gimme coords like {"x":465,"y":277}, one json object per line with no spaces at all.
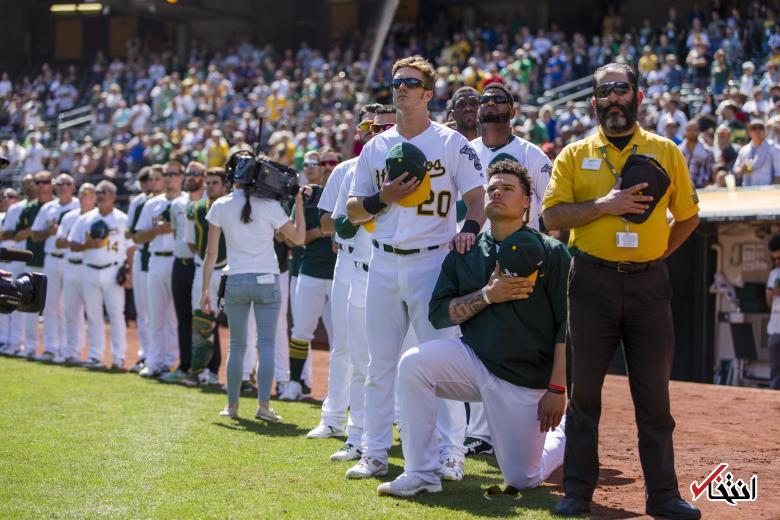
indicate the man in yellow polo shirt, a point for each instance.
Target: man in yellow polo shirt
{"x":619,"y":289}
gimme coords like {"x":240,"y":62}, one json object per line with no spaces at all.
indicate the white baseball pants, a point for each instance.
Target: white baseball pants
{"x":73,"y":296}
{"x":53,"y":312}
{"x":163,"y":351}
{"x":334,"y":408}
{"x":397,"y":295}
{"x":16,"y":320}
{"x":312,"y":301}
{"x":449,"y":369}
{"x":140,"y":281}
{"x":100,"y":288}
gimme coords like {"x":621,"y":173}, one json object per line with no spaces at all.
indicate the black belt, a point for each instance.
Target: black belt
{"x":390,"y":249}
{"x":163,"y":253}
{"x":342,"y":247}
{"x":93,"y":266}
{"x":216,"y":266}
{"x":620,"y":267}
{"x":57,"y":255}
{"x":184,"y":261}
{"x":74,"y":261}
{"x":362,"y":265}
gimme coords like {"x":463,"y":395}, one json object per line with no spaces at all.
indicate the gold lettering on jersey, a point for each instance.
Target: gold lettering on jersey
{"x":435,"y":169}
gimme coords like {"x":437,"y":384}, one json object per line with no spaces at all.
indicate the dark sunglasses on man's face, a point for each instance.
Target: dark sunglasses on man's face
{"x":621,"y":88}
{"x":331,"y":162}
{"x":378,"y":128}
{"x":42,"y":182}
{"x":102,"y":192}
{"x":408,"y":83}
{"x":193,"y":174}
{"x":498,"y":99}
{"x":170,"y":174}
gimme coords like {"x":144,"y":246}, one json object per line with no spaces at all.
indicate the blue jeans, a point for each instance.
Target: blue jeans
{"x":241,"y":291}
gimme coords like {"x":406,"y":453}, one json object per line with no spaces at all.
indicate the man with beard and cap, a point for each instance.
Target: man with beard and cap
{"x":184,"y":269}
{"x":463,"y":111}
{"x":496,"y":143}
{"x":334,"y":408}
{"x":613,"y":189}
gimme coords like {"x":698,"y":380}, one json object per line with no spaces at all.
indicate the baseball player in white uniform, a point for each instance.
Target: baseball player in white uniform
{"x":73,"y":282}
{"x":496,"y":142}
{"x":10,"y":197}
{"x":154,"y":226}
{"x":103,"y":258}
{"x":150,"y":181}
{"x":44,"y":229}
{"x":15,"y":341}
{"x":410,"y":244}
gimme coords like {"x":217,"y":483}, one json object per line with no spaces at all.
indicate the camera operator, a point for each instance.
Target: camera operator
{"x":43,"y":183}
{"x":249,"y":224}
{"x":44,"y":229}
{"x":100,"y":234}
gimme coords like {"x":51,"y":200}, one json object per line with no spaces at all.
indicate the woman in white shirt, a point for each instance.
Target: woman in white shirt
{"x":249,"y":224}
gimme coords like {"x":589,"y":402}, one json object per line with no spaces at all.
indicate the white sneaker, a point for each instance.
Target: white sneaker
{"x":322,"y":431}
{"x":406,"y":486}
{"x":147,"y":371}
{"x":229,"y":411}
{"x":452,"y":469}
{"x":293,"y":391}
{"x":346,"y":453}
{"x":367,"y":467}
{"x":267,"y":414}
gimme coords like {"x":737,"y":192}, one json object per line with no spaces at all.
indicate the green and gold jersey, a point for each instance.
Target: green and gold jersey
{"x":26,"y":219}
{"x":197,"y":211}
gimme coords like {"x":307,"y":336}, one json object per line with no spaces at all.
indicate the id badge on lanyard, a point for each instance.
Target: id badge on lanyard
{"x":624,"y":239}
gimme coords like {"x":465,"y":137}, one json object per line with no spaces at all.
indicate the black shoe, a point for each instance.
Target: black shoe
{"x":572,"y":505}
{"x":674,"y":508}
{"x":475,"y":446}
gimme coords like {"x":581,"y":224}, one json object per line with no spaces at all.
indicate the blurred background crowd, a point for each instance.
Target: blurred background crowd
{"x":711,"y":84}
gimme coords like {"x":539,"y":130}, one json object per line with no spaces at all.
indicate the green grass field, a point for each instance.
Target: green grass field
{"x":82,"y":444}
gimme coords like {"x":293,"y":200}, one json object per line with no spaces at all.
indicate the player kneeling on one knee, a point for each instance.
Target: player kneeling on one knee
{"x":508,"y":294}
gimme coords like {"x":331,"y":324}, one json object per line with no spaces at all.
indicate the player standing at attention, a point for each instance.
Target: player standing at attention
{"x":44,"y":229}
{"x":104,"y":253}
{"x":334,"y":408}
{"x":496,"y":142}
{"x":410,"y":244}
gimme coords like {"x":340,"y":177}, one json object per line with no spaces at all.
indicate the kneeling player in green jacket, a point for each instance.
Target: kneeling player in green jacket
{"x":508,"y":294}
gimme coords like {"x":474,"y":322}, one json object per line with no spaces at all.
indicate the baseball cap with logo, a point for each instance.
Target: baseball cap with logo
{"x":502,"y":157}
{"x":642,"y":168}
{"x":405,"y":157}
{"x":521,"y":254}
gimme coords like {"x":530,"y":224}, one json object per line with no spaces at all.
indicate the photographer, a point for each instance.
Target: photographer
{"x":249,"y":224}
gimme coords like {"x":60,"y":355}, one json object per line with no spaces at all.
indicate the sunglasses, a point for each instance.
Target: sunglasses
{"x":42,"y":182}
{"x":66,"y":183}
{"x":379,"y":127}
{"x":498,"y":99}
{"x":409,"y":83}
{"x":193,"y":174}
{"x":170,"y":174}
{"x":332,"y":162}
{"x":467,"y":102}
{"x":311,"y":164}
{"x":10,"y":196}
{"x":102,"y":192}
{"x":621,"y":88}
{"x":365,"y":126}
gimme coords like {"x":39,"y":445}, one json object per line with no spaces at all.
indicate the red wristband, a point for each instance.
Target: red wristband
{"x":556,"y":387}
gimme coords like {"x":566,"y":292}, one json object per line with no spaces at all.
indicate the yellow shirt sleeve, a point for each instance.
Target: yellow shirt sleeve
{"x":684,"y":202}
{"x":560,"y":189}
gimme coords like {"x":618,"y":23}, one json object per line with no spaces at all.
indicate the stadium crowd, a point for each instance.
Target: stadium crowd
{"x":172,"y":133}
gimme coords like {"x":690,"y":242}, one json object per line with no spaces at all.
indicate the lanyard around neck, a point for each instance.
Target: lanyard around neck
{"x":611,"y":167}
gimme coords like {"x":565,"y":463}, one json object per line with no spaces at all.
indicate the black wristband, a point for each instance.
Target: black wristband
{"x":471,"y":226}
{"x":373,"y":204}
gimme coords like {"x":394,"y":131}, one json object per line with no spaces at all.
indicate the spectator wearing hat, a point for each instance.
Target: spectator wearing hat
{"x":757,"y":106}
{"x":758,"y":162}
{"x":619,"y":289}
{"x":748,"y":81}
{"x":697,"y":154}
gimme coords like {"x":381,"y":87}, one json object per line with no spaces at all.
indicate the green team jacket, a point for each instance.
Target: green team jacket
{"x":516,"y":339}
{"x":197,"y":211}
{"x":317,"y":259}
{"x":26,"y":219}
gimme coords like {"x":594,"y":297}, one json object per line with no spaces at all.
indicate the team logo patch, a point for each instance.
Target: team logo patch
{"x":547,"y":168}
{"x":469,"y":152}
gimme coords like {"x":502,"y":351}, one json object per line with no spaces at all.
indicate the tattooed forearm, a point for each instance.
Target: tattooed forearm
{"x":466,"y":307}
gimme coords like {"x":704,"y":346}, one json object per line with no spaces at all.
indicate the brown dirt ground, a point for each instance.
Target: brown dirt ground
{"x":715,"y":424}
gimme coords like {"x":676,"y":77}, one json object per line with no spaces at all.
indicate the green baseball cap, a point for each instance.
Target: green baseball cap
{"x":405,"y":157}
{"x":521,"y":254}
{"x":503,"y":157}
